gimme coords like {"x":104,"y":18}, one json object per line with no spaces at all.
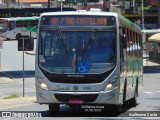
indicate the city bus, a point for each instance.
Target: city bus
{"x":12,"y":28}
{"x":87,"y":57}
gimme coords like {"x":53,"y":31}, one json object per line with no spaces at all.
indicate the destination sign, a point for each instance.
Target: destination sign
{"x":78,"y":20}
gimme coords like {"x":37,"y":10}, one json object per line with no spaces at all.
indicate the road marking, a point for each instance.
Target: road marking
{"x":12,"y":77}
{"x":31,"y":89}
{"x":15,"y":106}
{"x":32,"y":86}
{"x":148,"y":92}
{"x":7,"y":118}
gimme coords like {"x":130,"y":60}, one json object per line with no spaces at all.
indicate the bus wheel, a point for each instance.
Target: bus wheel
{"x":118,"y":109}
{"x":133,"y":101}
{"x":125,"y":103}
{"x":53,"y":108}
{"x":18,"y":35}
{"x":7,"y":38}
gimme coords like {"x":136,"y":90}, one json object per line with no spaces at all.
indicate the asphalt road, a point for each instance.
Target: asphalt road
{"x":147,"y":101}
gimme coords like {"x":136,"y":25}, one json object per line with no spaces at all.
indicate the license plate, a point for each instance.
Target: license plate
{"x":76,"y":101}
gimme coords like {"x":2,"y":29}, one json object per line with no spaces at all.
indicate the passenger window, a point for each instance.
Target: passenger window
{"x":11,"y":25}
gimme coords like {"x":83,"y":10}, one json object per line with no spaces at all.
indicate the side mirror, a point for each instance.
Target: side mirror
{"x":123,"y":37}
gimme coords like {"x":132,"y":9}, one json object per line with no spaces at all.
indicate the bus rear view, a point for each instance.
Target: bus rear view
{"x":77,"y":59}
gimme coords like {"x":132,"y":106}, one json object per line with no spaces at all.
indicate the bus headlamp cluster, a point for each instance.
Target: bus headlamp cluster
{"x":111,"y":84}
{"x":43,"y":85}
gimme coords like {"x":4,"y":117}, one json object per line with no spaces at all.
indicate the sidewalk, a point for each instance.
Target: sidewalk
{"x":147,"y":62}
{"x":16,"y":102}
{"x":13,"y":102}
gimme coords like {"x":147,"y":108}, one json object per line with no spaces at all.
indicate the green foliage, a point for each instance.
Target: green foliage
{"x":11,"y":96}
{"x":10,"y":6}
{"x":73,"y":2}
{"x":145,"y":2}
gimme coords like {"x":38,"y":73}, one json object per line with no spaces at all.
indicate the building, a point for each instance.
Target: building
{"x":35,"y":3}
{"x":132,"y":10}
{"x":3,"y":4}
{"x":87,"y":4}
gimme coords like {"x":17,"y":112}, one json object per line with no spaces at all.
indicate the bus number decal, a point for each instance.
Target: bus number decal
{"x":88,"y":88}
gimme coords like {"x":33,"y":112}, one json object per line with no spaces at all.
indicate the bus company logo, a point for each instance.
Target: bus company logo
{"x":75,"y":88}
{"x":80,"y":76}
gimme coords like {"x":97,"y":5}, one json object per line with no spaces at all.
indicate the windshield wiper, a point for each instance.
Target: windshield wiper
{"x":63,"y":40}
{"x":89,"y":41}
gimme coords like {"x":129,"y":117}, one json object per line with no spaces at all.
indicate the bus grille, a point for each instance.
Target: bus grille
{"x":84,"y":97}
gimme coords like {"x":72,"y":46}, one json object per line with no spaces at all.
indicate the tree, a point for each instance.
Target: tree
{"x":145,"y":2}
{"x":73,"y":2}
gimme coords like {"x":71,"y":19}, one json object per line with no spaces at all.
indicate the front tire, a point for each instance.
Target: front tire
{"x":53,"y":108}
{"x":7,"y":39}
{"x":118,"y":109}
{"x":133,"y":101}
{"x":18,"y":35}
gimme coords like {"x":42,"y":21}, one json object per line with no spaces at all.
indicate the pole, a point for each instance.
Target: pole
{"x":0,"y":59}
{"x":133,"y":6}
{"x":144,"y":38}
{"x":48,"y":3}
{"x":142,"y":16}
{"x":23,"y":66}
{"x":61,"y":5}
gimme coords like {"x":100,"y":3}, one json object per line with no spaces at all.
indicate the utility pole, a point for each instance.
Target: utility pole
{"x":134,"y":6}
{"x":142,"y":16}
{"x":49,"y":1}
{"x":85,"y":4}
{"x":159,"y":13}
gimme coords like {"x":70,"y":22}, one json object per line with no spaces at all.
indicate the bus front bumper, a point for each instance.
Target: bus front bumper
{"x":102,"y":97}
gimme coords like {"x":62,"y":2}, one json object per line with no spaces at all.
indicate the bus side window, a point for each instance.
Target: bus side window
{"x":121,"y":51}
{"x":11,"y":25}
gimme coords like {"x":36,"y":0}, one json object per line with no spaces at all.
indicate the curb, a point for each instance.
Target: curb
{"x":154,"y":68}
{"x":30,"y":53}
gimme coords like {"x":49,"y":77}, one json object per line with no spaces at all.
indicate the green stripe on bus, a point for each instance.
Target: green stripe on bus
{"x":27,"y":19}
{"x":32,"y":29}
{"x":127,"y":21}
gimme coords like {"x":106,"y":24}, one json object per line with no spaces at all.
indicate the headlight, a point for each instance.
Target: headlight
{"x":41,"y":83}
{"x":111,"y":84}
{"x":43,"y":86}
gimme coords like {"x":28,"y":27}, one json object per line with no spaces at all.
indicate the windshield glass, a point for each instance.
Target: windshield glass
{"x":3,"y":25}
{"x":77,"y":49}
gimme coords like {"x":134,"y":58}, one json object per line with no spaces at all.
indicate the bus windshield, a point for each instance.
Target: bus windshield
{"x":65,"y":49}
{"x":3,"y":25}
{"x":68,"y":50}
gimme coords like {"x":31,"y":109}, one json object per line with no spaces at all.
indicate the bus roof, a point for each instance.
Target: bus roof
{"x":78,"y":12}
